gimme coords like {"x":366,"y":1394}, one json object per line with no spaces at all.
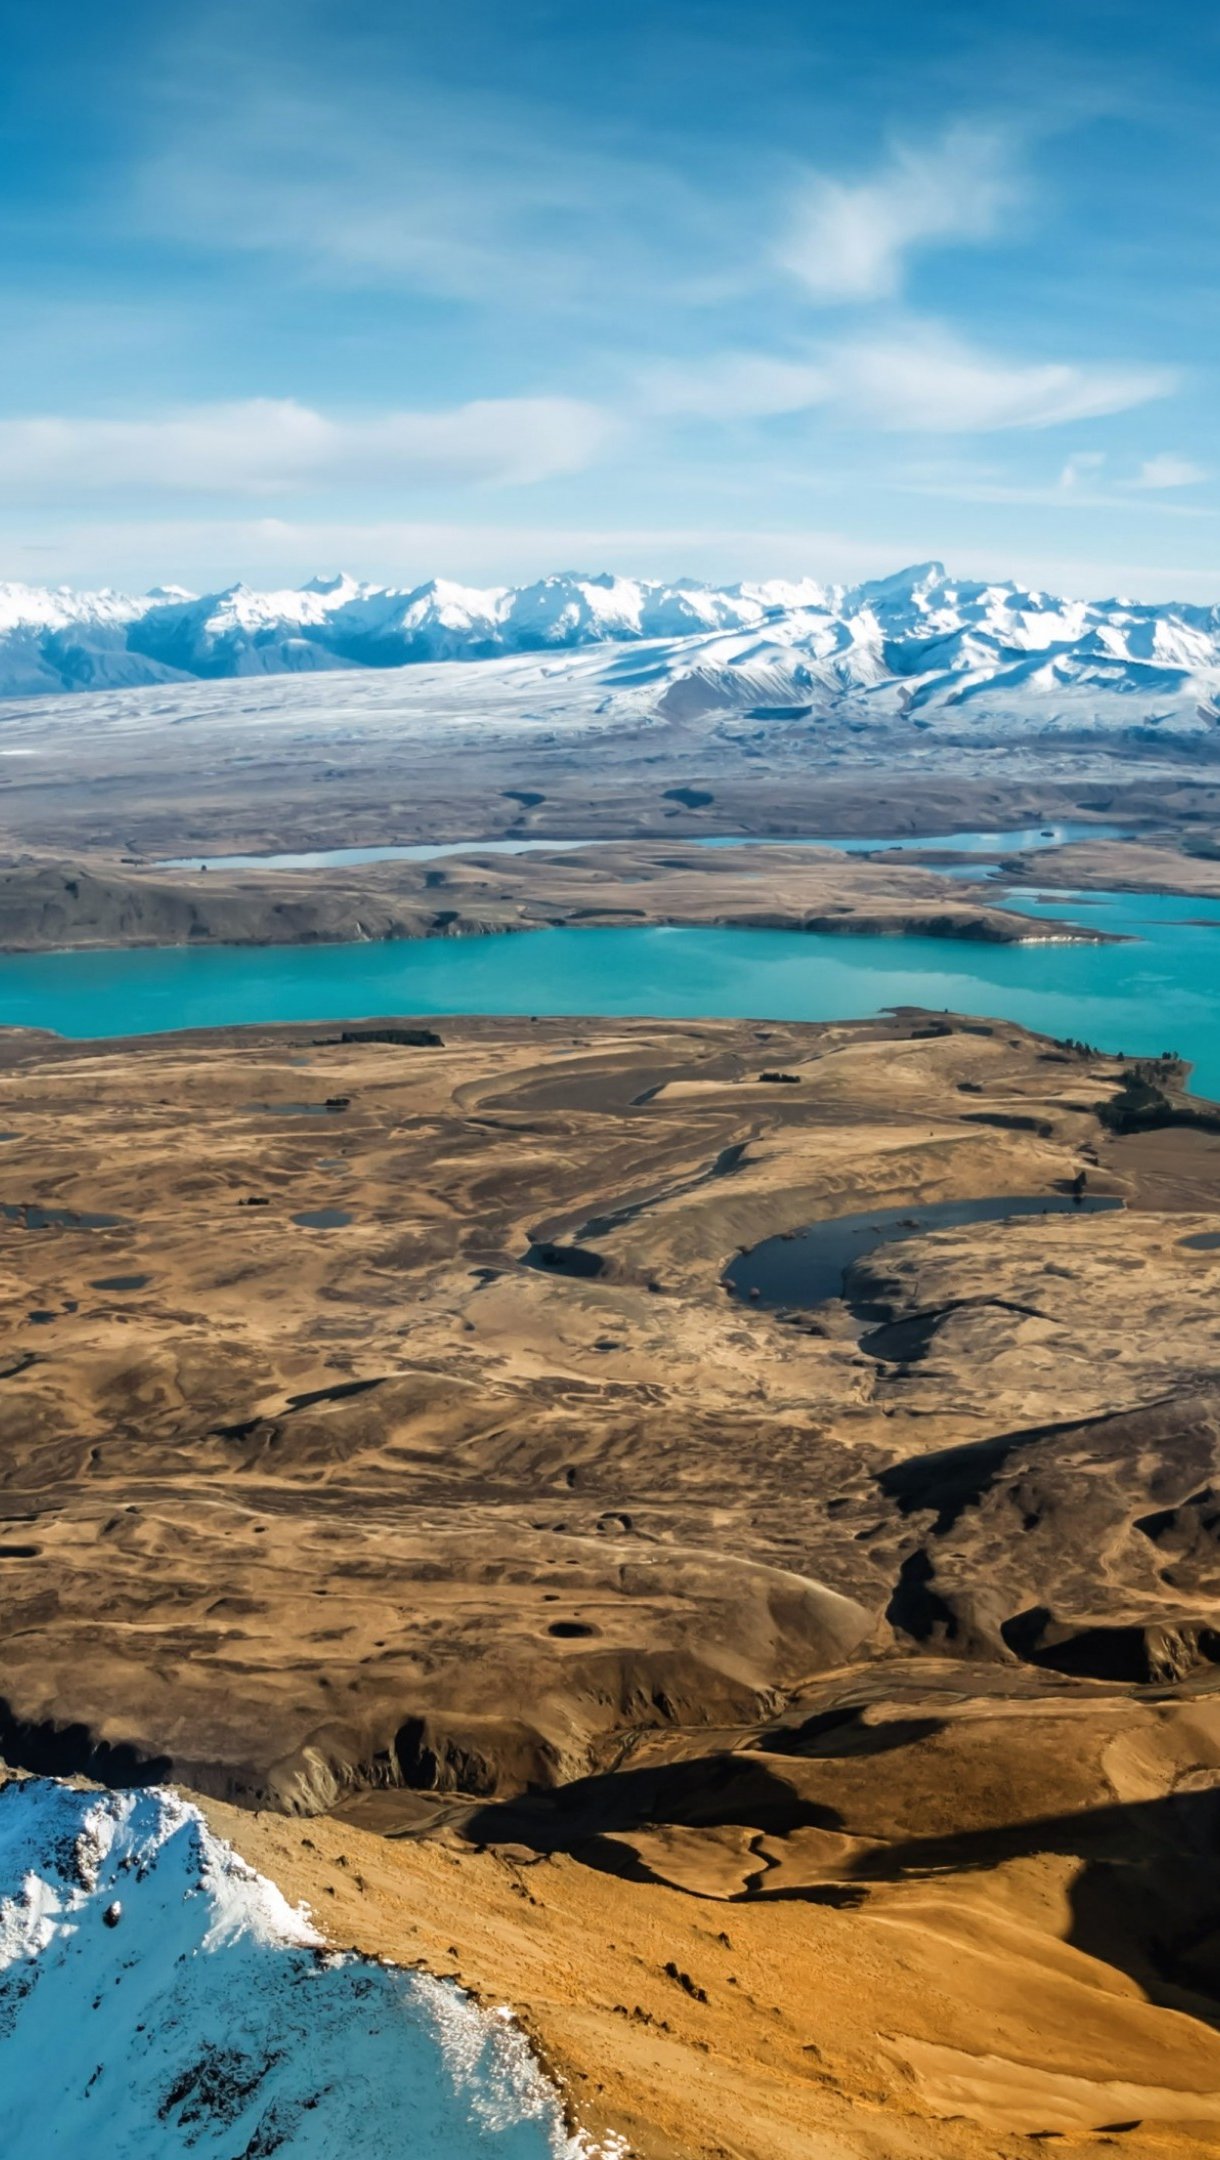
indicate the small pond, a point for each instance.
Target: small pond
{"x":808,"y":1266}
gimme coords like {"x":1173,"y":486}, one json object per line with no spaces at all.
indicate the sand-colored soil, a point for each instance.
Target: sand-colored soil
{"x":861,"y":1991}
{"x":860,"y":1669}
{"x":1169,"y":861}
{"x":56,"y":904}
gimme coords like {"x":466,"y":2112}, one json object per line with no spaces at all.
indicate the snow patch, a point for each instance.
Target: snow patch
{"x":159,"y":1998}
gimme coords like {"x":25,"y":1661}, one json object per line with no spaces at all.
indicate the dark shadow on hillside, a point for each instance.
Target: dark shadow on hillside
{"x":1146,"y":1899}
{"x":710,"y":1793}
{"x":832,"y":1735}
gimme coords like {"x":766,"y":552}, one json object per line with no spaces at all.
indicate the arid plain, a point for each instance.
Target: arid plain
{"x":806,"y":1720}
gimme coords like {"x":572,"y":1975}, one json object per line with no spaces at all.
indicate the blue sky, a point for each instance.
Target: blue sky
{"x":484,"y":290}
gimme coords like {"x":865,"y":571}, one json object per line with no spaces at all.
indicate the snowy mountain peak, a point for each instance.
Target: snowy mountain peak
{"x":915,"y":644}
{"x":915,"y":582}
{"x":338,"y":582}
{"x":133,"y":1942}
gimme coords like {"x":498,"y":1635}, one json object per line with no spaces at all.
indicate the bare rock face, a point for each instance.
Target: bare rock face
{"x":1141,"y":1649}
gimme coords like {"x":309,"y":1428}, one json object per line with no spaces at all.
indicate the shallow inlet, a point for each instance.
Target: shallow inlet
{"x":1022,"y":839}
{"x":808,"y":1267}
{"x":336,"y":858}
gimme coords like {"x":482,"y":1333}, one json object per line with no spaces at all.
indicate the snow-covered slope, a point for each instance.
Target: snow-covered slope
{"x":159,"y":1998}
{"x":909,"y":648}
{"x":64,"y":640}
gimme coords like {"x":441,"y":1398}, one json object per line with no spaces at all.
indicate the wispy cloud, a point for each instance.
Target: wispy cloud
{"x":1085,"y":483}
{"x":916,"y":379}
{"x":1168,"y":471}
{"x":271,"y":446}
{"x":849,"y":241}
{"x":930,"y":382}
{"x":411,"y":183}
{"x":378,"y":267}
{"x":1081,"y":470}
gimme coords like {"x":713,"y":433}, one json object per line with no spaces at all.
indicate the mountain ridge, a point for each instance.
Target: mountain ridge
{"x":917,"y":640}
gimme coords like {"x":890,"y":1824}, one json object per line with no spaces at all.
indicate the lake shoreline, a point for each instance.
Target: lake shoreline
{"x":56,"y":906}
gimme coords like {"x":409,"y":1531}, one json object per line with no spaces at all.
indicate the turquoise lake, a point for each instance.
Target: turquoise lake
{"x":1161,"y":991}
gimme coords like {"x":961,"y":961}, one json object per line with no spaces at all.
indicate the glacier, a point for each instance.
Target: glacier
{"x":158,"y":1997}
{"x":920,"y":649}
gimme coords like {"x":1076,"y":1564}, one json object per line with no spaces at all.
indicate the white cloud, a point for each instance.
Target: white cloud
{"x":848,"y":242}
{"x":1081,"y":470}
{"x":928,"y":382}
{"x":1168,"y":471}
{"x":273,"y":446}
{"x":920,"y":380}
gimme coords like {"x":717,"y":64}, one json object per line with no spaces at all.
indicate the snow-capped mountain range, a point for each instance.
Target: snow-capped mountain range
{"x":921,"y":641}
{"x":65,"y":640}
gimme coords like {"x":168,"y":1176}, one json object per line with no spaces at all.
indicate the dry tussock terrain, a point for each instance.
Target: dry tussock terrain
{"x":807,"y":1718}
